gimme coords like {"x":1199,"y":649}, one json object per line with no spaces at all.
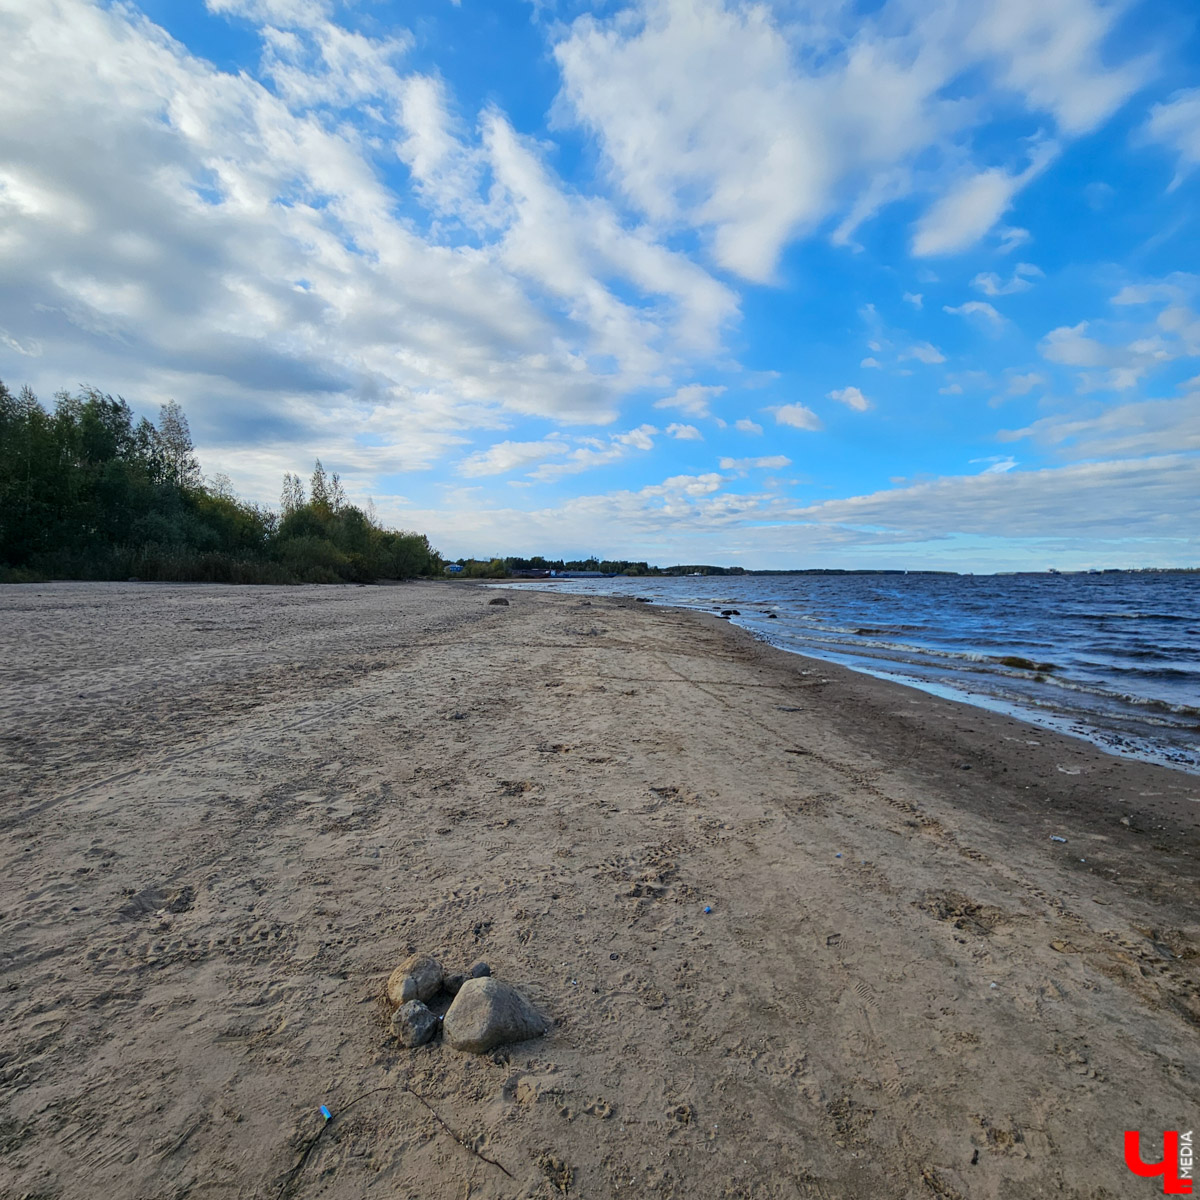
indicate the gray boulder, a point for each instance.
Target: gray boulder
{"x":413,"y":1024}
{"x":487,"y":1013}
{"x":499,"y":600}
{"x":418,"y":977}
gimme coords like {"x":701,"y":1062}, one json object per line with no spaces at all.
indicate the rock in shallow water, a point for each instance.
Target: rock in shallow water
{"x":414,"y":1024}
{"x":418,"y":977}
{"x":488,"y":1013}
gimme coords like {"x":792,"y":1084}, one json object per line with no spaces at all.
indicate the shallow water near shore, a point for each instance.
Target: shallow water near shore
{"x":1114,"y":658}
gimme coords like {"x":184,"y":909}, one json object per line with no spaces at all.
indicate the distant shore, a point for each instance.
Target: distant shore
{"x":801,"y":932}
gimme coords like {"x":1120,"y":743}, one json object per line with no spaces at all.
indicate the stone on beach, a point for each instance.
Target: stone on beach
{"x":414,"y":1024}
{"x":418,"y":977}
{"x":487,"y":1013}
{"x":499,"y":600}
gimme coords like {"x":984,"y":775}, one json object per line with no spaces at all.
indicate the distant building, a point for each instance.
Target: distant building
{"x":453,"y":568}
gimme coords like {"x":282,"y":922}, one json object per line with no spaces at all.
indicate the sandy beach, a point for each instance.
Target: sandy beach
{"x":229,"y":812}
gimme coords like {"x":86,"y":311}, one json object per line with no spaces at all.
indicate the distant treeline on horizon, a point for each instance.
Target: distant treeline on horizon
{"x":87,"y":493}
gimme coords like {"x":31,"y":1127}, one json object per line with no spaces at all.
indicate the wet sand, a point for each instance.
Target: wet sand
{"x":228,"y":812}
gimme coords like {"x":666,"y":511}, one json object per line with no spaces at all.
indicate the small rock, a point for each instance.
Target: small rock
{"x":452,"y":983}
{"x":479,"y":970}
{"x":730,"y":612}
{"x":499,"y":600}
{"x":418,"y":977}
{"x":488,"y":1013}
{"x":772,"y":616}
{"x":413,"y":1024}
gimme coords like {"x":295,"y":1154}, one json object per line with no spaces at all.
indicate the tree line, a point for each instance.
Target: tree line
{"x":503,"y":568}
{"x":87,"y":492}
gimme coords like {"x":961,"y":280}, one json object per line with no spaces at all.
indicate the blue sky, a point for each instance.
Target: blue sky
{"x":911,"y":283}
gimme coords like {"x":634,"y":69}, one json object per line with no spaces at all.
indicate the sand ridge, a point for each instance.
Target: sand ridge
{"x":229,"y":812}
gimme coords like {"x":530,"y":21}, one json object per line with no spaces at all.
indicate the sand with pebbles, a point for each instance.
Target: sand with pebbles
{"x":229,"y":812}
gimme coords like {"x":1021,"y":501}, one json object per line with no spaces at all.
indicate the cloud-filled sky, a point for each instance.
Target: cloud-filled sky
{"x":895,"y":283}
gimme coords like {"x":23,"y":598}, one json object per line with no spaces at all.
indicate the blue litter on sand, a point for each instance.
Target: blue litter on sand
{"x":708,"y":908}
{"x":837,"y":856}
{"x":326,"y":1113}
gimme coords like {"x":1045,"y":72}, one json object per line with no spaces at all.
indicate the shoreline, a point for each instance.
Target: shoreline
{"x":230,"y":812}
{"x":1075,"y":723}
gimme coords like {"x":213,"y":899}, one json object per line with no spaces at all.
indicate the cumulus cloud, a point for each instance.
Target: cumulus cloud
{"x":1150,"y":500}
{"x":1176,"y":125}
{"x":995,"y":464}
{"x":916,"y":299}
{"x":684,"y":433}
{"x":796,"y":416}
{"x":924,"y":352}
{"x":745,"y":425}
{"x":753,"y":127}
{"x":1111,"y":366}
{"x":238,"y":246}
{"x":597,"y":452}
{"x":979,"y":311}
{"x":770,"y":462}
{"x":964,"y":214}
{"x":511,"y":456}
{"x":1145,"y":428}
{"x":1023,"y":384}
{"x":990,"y":284}
{"x":851,"y":397}
{"x":693,"y":399}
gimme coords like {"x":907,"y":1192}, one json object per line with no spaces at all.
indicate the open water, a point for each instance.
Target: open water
{"x":1114,"y":657}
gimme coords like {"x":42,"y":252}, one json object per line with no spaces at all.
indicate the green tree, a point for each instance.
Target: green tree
{"x":177,"y":447}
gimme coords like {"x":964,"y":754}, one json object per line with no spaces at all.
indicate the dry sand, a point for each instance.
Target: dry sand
{"x":229,"y":812}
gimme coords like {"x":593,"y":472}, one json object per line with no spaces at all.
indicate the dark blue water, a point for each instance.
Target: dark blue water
{"x":1114,"y":658}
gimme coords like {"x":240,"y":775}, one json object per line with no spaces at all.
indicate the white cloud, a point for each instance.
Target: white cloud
{"x":771,"y":462}
{"x":1176,"y":125}
{"x":964,"y":214}
{"x":1117,"y":367}
{"x":996,"y":464}
{"x":1011,"y":237}
{"x":916,"y":299}
{"x":1148,"y":428}
{"x":1138,"y":497}
{"x":1053,"y":55}
{"x":595,"y":452}
{"x":797,"y":416}
{"x":1108,"y":507}
{"x":684,"y":433}
{"x":754,"y":126}
{"x":991,"y":284}
{"x":951,"y":389}
{"x":692,"y":399}
{"x":238,"y":247}
{"x":744,"y":425}
{"x":871,"y":364}
{"x":1022,"y":385}
{"x":851,"y":397}
{"x":979,"y":311}
{"x":924,"y":352}
{"x":511,"y":456}
{"x":1169,"y":291}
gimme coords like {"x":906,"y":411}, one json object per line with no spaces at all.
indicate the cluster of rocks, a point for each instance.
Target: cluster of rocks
{"x":483,"y":1013}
